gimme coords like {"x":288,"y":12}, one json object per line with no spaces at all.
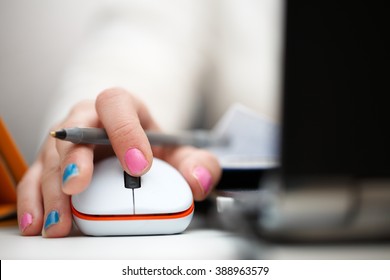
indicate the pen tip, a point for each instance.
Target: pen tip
{"x":60,"y":134}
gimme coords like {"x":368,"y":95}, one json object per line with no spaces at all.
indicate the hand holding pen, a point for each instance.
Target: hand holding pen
{"x":63,"y":168}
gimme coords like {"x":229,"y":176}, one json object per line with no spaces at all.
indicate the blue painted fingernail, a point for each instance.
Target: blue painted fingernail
{"x":70,"y":171}
{"x":52,"y":218}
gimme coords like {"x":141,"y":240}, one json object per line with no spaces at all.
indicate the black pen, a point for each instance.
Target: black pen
{"x":89,"y":135}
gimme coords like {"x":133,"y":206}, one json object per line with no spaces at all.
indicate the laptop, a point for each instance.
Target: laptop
{"x":334,"y":177}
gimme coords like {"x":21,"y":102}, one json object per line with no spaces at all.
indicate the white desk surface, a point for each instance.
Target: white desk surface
{"x":196,"y":243}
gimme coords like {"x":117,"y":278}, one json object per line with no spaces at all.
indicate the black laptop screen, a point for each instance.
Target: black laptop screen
{"x":335,"y":112}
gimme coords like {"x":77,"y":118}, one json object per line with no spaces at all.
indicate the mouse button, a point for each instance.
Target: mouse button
{"x":164,"y":190}
{"x":105,"y":195}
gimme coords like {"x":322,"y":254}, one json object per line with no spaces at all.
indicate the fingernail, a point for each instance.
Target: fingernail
{"x":135,"y":161}
{"x":70,"y":171}
{"x":52,"y":218}
{"x":204,"y":178}
{"x":25,"y":221}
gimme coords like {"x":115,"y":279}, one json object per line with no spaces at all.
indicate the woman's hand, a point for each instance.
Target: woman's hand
{"x":63,"y":168}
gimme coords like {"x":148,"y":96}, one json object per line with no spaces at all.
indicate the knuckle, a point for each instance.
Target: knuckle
{"x":123,"y":131}
{"x":50,"y":172}
{"x":109,"y":94}
{"x":80,"y":106}
{"x":83,"y":110}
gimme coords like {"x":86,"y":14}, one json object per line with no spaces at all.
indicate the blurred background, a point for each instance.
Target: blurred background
{"x":38,"y":38}
{"x":42,"y":42}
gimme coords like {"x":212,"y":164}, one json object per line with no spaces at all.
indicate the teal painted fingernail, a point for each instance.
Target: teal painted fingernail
{"x":70,"y":171}
{"x":52,"y":218}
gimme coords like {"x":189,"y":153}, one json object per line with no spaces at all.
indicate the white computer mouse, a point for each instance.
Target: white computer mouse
{"x":160,"y":202}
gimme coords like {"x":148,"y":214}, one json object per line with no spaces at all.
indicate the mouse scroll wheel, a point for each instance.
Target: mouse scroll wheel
{"x":131,"y":182}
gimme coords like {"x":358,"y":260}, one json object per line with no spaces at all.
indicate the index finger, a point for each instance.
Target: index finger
{"x":124,"y":117}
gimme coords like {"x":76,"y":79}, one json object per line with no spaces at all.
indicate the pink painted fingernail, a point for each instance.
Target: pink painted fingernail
{"x":204,"y":178}
{"x":25,"y":221}
{"x":135,"y":161}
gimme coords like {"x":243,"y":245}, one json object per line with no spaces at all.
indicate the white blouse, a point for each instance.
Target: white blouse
{"x":187,"y":60}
